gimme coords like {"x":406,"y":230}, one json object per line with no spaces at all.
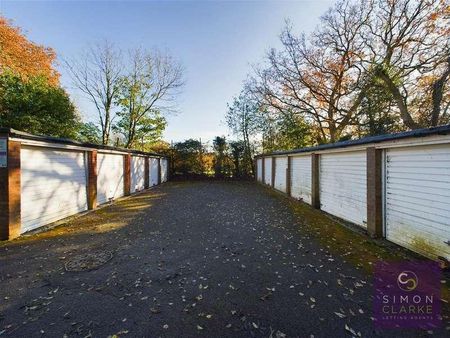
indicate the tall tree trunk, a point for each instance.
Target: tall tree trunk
{"x":105,"y":136}
{"x":399,"y":100}
{"x":438,"y":92}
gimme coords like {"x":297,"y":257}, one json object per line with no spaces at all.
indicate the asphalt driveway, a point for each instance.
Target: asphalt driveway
{"x":185,"y":260}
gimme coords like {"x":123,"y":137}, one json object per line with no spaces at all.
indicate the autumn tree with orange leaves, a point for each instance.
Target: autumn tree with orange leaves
{"x":31,"y":99}
{"x":370,"y":67}
{"x":23,"y":57}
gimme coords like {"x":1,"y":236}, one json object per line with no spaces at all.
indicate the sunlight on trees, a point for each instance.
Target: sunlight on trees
{"x":131,"y":94}
{"x":31,"y":99}
{"x":24,"y":58}
{"x":36,"y":107}
{"x":96,"y":73}
{"x":147,"y":90}
{"x":369,"y":68}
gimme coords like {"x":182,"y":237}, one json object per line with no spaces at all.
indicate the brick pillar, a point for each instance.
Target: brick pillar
{"x":10,"y":222}
{"x":159,"y":170}
{"x":288,"y":176}
{"x":92,"y":179}
{"x":263,"y":171}
{"x":374,"y":192}
{"x":146,"y":172}
{"x":127,"y":174}
{"x":315,"y":181}
{"x":273,"y":171}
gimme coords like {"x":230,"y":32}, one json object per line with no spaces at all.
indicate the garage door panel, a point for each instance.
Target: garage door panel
{"x":429,"y":245}
{"x":280,"y":173}
{"x":408,"y":238}
{"x":434,"y":186}
{"x":343,"y":190}
{"x":137,"y":173}
{"x":153,"y":172}
{"x":164,"y":168}
{"x":414,"y":170}
{"x":419,"y":205}
{"x":420,"y":212}
{"x":418,"y":198}
{"x":417,"y":224}
{"x":110,"y":179}
{"x":408,"y":154}
{"x":268,"y":171}
{"x":259,"y":169}
{"x":53,"y":185}
{"x":429,"y":175}
{"x":301,"y":178}
{"x":344,"y":209}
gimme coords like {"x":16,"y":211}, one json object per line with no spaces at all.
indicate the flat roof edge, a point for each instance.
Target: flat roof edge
{"x":23,"y":135}
{"x":440,"y":130}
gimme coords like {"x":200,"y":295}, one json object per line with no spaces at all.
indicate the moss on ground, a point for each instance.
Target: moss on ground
{"x":354,"y":245}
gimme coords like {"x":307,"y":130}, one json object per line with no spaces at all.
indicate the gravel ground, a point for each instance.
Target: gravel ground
{"x":185,"y":260}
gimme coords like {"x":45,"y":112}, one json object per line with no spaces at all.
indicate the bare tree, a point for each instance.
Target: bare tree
{"x":407,"y":47}
{"x":441,"y":96}
{"x":97,"y":75}
{"x":243,"y":117}
{"x":148,"y":90}
{"x":318,"y":77}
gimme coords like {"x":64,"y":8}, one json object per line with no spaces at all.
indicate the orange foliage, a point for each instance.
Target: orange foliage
{"x":24,"y":57}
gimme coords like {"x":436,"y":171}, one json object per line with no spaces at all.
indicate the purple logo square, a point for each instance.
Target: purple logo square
{"x":407,"y":295}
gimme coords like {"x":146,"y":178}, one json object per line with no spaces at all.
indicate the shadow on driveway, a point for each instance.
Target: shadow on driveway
{"x":189,"y":259}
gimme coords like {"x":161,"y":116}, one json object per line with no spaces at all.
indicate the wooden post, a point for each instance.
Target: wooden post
{"x":288,"y":176}
{"x":10,"y":209}
{"x":127,"y":174}
{"x":146,"y":172}
{"x":315,"y":181}
{"x":92,"y":179}
{"x":374,"y":192}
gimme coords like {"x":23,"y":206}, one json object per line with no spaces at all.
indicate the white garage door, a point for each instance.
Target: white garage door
{"x":110,"y":184}
{"x":259,"y":169}
{"x":418,"y":199}
{"x":343,"y":191}
{"x":280,"y":173}
{"x":268,"y":170}
{"x":137,"y":173}
{"x":153,"y":172}
{"x":53,"y":185}
{"x":164,"y":169}
{"x":301,"y":178}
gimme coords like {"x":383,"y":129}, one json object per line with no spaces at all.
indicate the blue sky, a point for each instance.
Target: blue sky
{"x":215,"y":41}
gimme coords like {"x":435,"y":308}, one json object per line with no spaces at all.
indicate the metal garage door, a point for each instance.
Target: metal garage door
{"x":343,"y":191}
{"x":259,"y":169}
{"x":53,"y":185}
{"x":137,"y":173}
{"x":280,"y":173}
{"x":153,"y":172}
{"x":110,"y":184}
{"x":418,"y":199}
{"x":301,"y":178}
{"x":268,"y":170}
{"x":164,"y":169}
